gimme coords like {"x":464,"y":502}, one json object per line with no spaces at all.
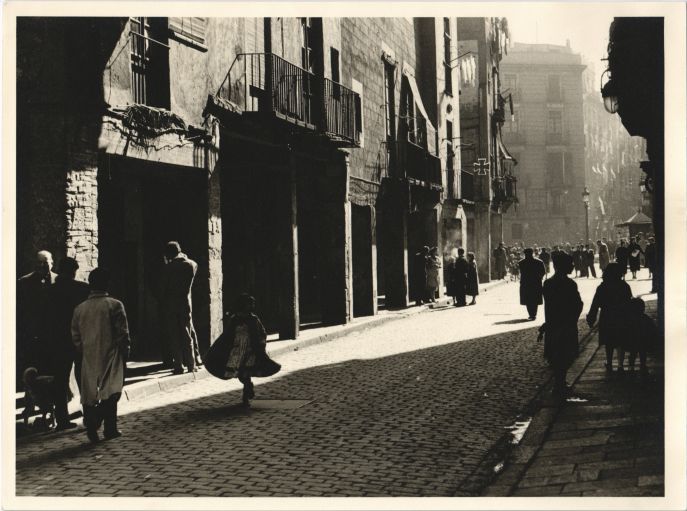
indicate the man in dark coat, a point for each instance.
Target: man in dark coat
{"x":589,"y":260}
{"x":532,"y":271}
{"x":177,"y":308}
{"x":500,"y":261}
{"x":419,"y":287}
{"x":33,"y":306}
{"x":621,"y":256}
{"x":66,"y":294}
{"x":460,"y":275}
{"x":562,"y":308}
{"x":545,"y":257}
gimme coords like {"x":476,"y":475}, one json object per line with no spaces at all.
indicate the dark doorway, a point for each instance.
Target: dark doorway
{"x":143,"y":205}
{"x":422,"y":231}
{"x":309,"y":248}
{"x":362,"y":246}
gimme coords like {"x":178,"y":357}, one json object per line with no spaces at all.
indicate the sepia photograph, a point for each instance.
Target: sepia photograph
{"x":378,"y":250}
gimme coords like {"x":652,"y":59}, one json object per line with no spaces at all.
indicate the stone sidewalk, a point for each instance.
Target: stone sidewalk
{"x":606,"y":440}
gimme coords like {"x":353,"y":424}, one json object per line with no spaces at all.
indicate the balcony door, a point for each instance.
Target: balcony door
{"x":312,"y":61}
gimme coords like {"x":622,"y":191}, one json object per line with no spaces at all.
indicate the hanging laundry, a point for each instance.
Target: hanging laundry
{"x":601,"y":206}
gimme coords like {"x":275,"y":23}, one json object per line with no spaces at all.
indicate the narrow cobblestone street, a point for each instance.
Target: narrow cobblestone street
{"x":408,"y":408}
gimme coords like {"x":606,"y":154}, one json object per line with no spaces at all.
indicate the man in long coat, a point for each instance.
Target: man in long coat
{"x":33,"y":306}
{"x":460,"y":275}
{"x":177,"y":308}
{"x":101,"y":334}
{"x":419,"y":279}
{"x":66,"y":294}
{"x":532,"y":271}
{"x":562,"y":308}
{"x":500,"y":261}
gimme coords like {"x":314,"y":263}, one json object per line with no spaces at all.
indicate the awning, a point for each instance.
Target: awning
{"x":431,"y":132}
{"x":638,"y":218}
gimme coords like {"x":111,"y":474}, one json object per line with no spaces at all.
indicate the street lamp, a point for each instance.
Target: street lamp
{"x":609,"y":95}
{"x":585,"y":199}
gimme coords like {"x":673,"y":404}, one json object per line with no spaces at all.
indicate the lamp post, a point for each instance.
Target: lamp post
{"x":585,"y":199}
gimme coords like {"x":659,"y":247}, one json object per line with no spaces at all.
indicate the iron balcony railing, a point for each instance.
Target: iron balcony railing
{"x":264,"y":82}
{"x":505,"y":189}
{"x":403,"y":159}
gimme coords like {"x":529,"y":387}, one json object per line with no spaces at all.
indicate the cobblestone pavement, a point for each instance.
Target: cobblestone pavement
{"x":607,"y":441}
{"x":407,"y":408}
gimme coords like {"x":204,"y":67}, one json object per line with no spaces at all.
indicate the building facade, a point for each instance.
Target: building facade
{"x":612,"y":166}
{"x":546,"y":135}
{"x":295,"y":159}
{"x":487,"y":167}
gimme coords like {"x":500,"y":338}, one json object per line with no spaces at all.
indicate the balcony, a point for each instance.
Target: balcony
{"x":505,"y":190}
{"x":267,"y":84}
{"x":420,"y":165}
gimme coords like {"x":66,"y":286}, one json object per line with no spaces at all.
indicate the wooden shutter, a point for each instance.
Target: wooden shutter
{"x":190,"y":28}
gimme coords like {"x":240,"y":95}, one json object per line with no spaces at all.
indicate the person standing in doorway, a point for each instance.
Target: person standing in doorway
{"x":420,"y":275}
{"x":176,"y":307}
{"x":532,"y":272}
{"x":100,"y":333}
{"x":33,"y":308}
{"x":562,"y":308}
{"x":66,"y":294}
{"x":472,"y":282}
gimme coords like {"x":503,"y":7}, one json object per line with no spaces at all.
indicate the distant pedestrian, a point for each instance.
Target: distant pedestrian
{"x":177,"y":308}
{"x":604,"y":256}
{"x":472,"y":282}
{"x":562,"y":308}
{"x":419,"y":287}
{"x":66,"y":294}
{"x":621,"y":256}
{"x":240,"y":351}
{"x":589,"y":260}
{"x":642,"y":335}
{"x":613,"y":298}
{"x":433,"y":269}
{"x":635,"y":252}
{"x":33,"y":309}
{"x":500,"y":261}
{"x":531,"y":274}
{"x":611,"y":248}
{"x":101,"y":334}
{"x":545,"y":257}
{"x":578,"y":261}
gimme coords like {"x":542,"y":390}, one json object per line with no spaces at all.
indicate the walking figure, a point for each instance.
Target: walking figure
{"x":500,"y":258}
{"x":621,"y":256}
{"x":634,"y":259}
{"x":613,"y":298}
{"x":642,"y":335}
{"x":420,"y":276}
{"x":101,"y":335}
{"x":240,"y":351}
{"x":604,"y":256}
{"x":532,"y":272}
{"x":432,"y":272}
{"x":562,"y":308}
{"x":545,"y":257}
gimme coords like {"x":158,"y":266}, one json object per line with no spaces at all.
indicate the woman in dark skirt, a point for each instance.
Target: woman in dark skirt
{"x":613,"y":298}
{"x":472,"y":283}
{"x":240,"y":351}
{"x":634,"y":256}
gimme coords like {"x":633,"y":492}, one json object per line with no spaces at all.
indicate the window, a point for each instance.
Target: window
{"x":359,"y":105}
{"x":409,"y":113}
{"x":555,"y":124}
{"x":512,"y":124}
{"x":149,"y":61}
{"x":450,"y":172}
{"x":554,"y":171}
{"x":448,"y":81}
{"x":336,"y":73}
{"x":536,"y":199}
{"x":554,"y":90}
{"x":389,"y":101}
{"x":516,"y":231}
{"x":557,"y":202}
{"x":189,"y":30}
